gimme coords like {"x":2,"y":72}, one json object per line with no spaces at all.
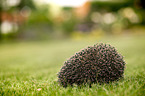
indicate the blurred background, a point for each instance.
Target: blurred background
{"x":60,"y":19}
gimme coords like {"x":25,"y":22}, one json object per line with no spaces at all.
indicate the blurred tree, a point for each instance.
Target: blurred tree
{"x":0,"y":18}
{"x":69,"y":21}
{"x":142,"y":3}
{"x":132,"y":9}
{"x":24,"y":3}
{"x":109,"y":5}
{"x":14,"y":11}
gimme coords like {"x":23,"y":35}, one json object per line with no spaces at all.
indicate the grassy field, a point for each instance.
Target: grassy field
{"x":30,"y":68}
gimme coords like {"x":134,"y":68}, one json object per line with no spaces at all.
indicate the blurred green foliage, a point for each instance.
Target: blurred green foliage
{"x":38,"y":22}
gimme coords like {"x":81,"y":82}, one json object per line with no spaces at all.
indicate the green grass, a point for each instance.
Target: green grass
{"x":30,"y":68}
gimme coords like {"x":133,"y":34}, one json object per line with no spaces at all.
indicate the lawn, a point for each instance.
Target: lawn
{"x":30,"y":68}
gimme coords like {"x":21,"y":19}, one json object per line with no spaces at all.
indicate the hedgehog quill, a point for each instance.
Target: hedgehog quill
{"x":100,"y":63}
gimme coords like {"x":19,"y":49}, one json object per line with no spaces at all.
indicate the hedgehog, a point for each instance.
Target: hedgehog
{"x":100,"y":63}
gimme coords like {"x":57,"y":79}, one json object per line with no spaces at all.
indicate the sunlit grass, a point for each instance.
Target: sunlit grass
{"x":30,"y":68}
